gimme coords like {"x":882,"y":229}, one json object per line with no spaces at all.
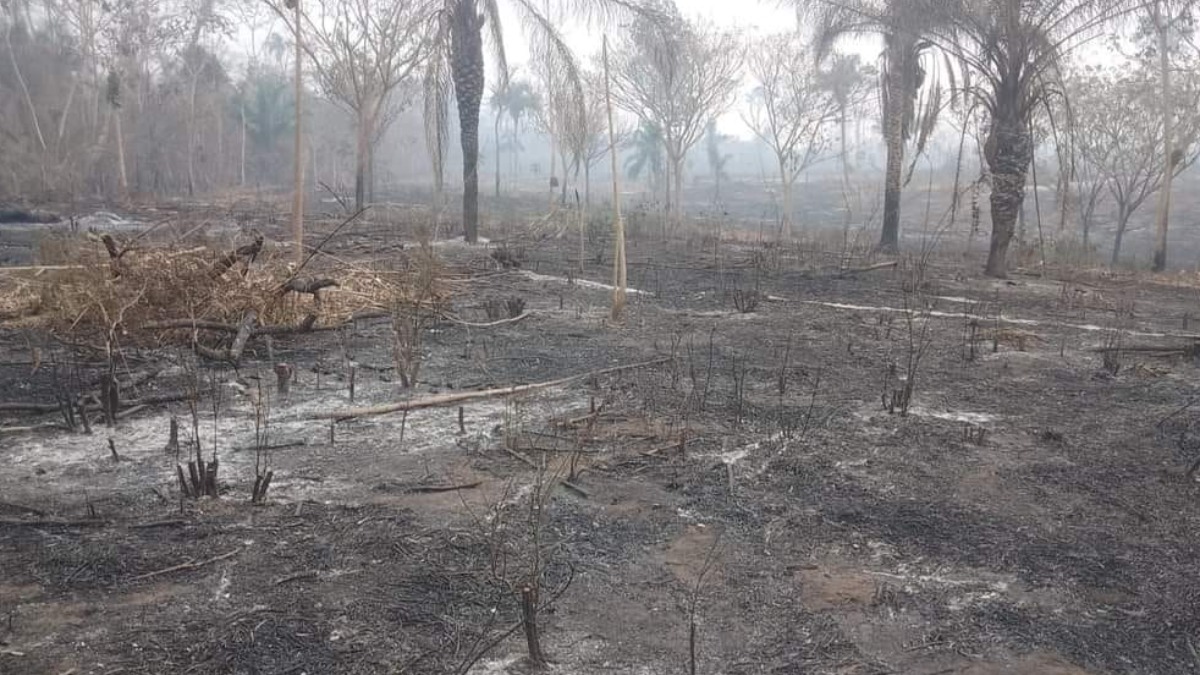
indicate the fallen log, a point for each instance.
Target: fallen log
{"x":21,"y":509}
{"x":190,"y":565}
{"x":52,"y":522}
{"x":435,"y":489}
{"x":869,"y":268}
{"x":1163,"y":350}
{"x":478,"y":395}
{"x":130,"y":404}
{"x":491,"y":324}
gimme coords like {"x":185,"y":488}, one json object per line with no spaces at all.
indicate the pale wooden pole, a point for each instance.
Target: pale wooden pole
{"x":1162,"y":215}
{"x":298,"y":177}
{"x":619,"y":271}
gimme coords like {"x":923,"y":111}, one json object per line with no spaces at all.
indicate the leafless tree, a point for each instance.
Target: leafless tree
{"x":789,"y":111}
{"x":587,"y":133}
{"x":366,"y":54}
{"x":1119,"y":134}
{"x":677,"y":75}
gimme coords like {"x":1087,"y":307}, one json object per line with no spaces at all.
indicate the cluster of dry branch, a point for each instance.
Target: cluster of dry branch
{"x":103,"y":292}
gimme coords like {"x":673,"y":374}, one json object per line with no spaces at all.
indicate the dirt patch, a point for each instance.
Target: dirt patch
{"x":832,"y":587}
{"x":693,"y":554}
{"x":1031,"y":664}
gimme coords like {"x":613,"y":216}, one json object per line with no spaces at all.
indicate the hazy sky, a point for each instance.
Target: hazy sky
{"x":752,"y":16}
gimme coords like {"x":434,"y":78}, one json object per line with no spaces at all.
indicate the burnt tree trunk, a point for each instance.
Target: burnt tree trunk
{"x":1008,"y":152}
{"x":1122,"y":223}
{"x":897,"y":100}
{"x":466,"y":50}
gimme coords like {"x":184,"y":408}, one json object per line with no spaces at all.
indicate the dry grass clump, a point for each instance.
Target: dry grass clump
{"x":85,"y":291}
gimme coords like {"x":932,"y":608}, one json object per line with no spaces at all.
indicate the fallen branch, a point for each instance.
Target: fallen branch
{"x":575,"y":488}
{"x":313,"y":251}
{"x":21,"y":509}
{"x":1162,"y":350}
{"x":273,"y":446}
{"x":131,"y":405}
{"x":305,"y":326}
{"x":52,"y":522}
{"x":41,"y":268}
{"x":461,"y":397}
{"x":491,"y":324}
{"x":869,"y":268}
{"x":186,"y":566}
{"x":307,"y":574}
{"x":433,"y":489}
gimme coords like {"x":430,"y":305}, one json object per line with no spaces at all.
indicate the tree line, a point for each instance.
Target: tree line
{"x":122,"y":98}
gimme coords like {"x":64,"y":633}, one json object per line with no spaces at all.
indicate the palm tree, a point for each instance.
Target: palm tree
{"x":647,"y":145}
{"x":499,"y":105}
{"x":1010,"y":53}
{"x":717,"y":160}
{"x":846,"y":79}
{"x":458,"y":63}
{"x":517,"y":101}
{"x":910,"y":108}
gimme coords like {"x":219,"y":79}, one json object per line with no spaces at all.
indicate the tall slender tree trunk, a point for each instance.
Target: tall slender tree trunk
{"x":1008,"y":152}
{"x":242,"y":159}
{"x":499,"y":116}
{"x":361,"y":158}
{"x":843,"y":122}
{"x":553,"y":167}
{"x":678,"y":176}
{"x":370,"y":168}
{"x":785,"y":183}
{"x":33,"y":116}
{"x":219,"y":171}
{"x":298,"y":165}
{"x":587,"y":184}
{"x":191,"y":133}
{"x":896,"y":98}
{"x":1123,"y":215}
{"x":668,"y":205}
{"x":122,"y":174}
{"x":467,"y":71}
{"x":1162,"y":214}
{"x":619,"y":267}
{"x":62,"y":119}
{"x":515,"y":153}
{"x":563,"y":185}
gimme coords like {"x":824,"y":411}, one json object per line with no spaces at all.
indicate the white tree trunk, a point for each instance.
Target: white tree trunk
{"x":1162,"y":214}
{"x":122,"y":175}
{"x":786,"y":181}
{"x":298,"y":169}
{"x":619,"y":268}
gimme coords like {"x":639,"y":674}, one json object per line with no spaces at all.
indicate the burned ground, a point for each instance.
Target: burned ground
{"x":1032,"y":513}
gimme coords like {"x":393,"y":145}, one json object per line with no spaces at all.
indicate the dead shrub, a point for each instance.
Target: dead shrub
{"x":84,"y":292}
{"x":416,"y":300}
